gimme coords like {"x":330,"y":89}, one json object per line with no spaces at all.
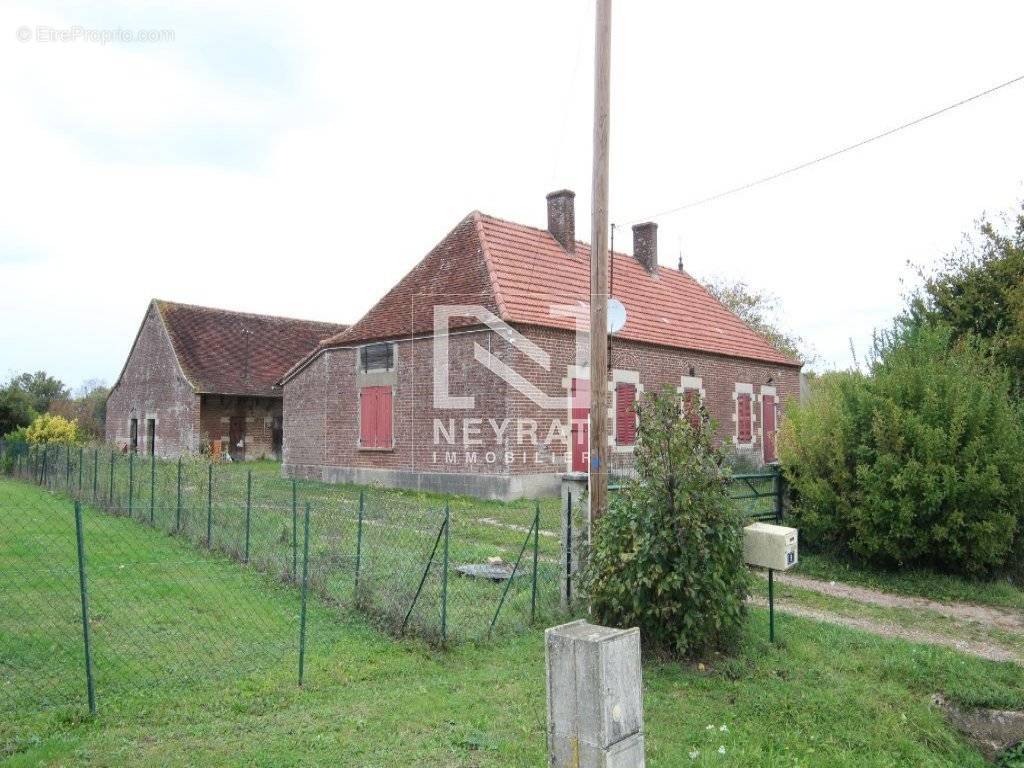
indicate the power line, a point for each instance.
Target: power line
{"x":830,"y":155}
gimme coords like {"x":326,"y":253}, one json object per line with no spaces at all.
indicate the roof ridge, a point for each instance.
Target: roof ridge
{"x":219,"y":310}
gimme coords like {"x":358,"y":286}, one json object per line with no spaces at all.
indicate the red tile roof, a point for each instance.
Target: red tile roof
{"x":237,"y":353}
{"x":520,"y":272}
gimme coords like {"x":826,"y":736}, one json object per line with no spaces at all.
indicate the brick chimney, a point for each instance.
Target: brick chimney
{"x":645,"y":245}
{"x":562,"y":218}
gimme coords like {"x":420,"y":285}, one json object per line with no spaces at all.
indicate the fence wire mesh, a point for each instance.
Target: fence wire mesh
{"x":195,"y":570}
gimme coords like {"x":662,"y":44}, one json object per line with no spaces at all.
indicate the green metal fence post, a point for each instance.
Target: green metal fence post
{"x":444,"y":574}
{"x":302,"y":615}
{"x":131,"y":482}
{"x":95,"y":472}
{"x":295,"y":531}
{"x":177,"y":501}
{"x":511,"y":578}
{"x":84,"y":589}
{"x":248,"y":511}
{"x":152,"y":488}
{"x":359,"y":543}
{"x":81,"y":458}
{"x":536,"y":553}
{"x":423,"y":578}
{"x":110,"y":489}
{"x":209,"y":506}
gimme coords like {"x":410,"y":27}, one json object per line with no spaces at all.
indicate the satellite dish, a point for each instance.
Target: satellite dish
{"x":616,"y":315}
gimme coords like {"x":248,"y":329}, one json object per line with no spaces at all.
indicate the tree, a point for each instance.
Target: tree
{"x":15,"y":409}
{"x":756,"y":309}
{"x":42,"y":389}
{"x":88,"y":407}
{"x":916,"y":462}
{"x":667,"y":556}
{"x":979,"y":290}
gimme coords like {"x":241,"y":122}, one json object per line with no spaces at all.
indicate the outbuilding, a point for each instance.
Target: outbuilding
{"x":201,"y":379}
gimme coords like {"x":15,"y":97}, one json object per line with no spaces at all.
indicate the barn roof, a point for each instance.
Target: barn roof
{"x":238,"y":353}
{"x":520,"y":272}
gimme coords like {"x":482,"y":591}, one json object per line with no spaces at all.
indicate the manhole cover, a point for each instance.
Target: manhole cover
{"x":491,"y":571}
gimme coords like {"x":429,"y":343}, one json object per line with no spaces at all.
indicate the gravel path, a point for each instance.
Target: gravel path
{"x":993,"y":618}
{"x":983,"y":650}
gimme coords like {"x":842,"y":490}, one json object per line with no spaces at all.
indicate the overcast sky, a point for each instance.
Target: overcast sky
{"x":299,"y":159}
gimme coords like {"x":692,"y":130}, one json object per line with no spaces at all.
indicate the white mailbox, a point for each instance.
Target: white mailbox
{"x":770,"y":546}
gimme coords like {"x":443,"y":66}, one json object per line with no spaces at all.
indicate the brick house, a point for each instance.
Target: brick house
{"x":197,"y":376}
{"x":498,"y":405}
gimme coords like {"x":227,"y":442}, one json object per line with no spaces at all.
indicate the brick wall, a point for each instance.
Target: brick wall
{"x":322,"y":410}
{"x":654,"y":368}
{"x":153,"y":386}
{"x":258,"y":415}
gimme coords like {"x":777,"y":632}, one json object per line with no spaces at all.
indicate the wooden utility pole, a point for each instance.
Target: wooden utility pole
{"x":598,"y":472}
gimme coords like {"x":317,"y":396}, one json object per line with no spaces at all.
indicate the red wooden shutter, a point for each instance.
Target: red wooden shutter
{"x":625,"y":415}
{"x":691,"y":406}
{"x":367,"y":417}
{"x":375,"y":417}
{"x":384,"y":416}
{"x":768,"y":426}
{"x":580,"y":430}
{"x":743,"y":432}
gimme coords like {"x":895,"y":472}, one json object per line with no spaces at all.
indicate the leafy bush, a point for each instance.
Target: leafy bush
{"x":19,"y":435}
{"x":918,"y":462}
{"x":50,"y":428}
{"x":668,"y":554}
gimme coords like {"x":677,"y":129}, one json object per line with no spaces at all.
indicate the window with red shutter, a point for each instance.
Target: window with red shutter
{"x":625,"y":415}
{"x":744,"y":433}
{"x":384,"y":418}
{"x":375,"y":417}
{"x":691,"y":406}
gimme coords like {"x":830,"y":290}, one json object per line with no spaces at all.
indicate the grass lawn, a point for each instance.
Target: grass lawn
{"x":196,"y":663}
{"x":400,"y":531}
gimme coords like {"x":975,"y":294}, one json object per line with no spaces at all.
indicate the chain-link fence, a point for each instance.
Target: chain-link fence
{"x":376,"y":549}
{"x":240,"y":552}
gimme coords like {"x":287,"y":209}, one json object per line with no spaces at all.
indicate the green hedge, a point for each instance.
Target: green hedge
{"x":920,"y":461}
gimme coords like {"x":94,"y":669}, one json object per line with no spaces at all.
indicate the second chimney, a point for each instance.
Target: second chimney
{"x":645,"y":245}
{"x":562,"y":218}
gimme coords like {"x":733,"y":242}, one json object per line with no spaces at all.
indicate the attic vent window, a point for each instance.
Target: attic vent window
{"x":377,"y":357}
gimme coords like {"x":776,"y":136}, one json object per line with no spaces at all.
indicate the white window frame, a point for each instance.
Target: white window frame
{"x":744,"y":389}
{"x":621,"y":376}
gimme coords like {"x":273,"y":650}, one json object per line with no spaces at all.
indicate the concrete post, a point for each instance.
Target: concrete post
{"x":574,"y":490}
{"x":595,"y":705}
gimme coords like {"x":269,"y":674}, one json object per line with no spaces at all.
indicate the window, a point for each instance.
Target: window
{"x":625,"y":414}
{"x":769,"y":423}
{"x":744,"y":426}
{"x":151,"y":436}
{"x":377,"y":357}
{"x":133,"y":442}
{"x":375,"y":418}
{"x":691,"y":406}
{"x":691,"y":391}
